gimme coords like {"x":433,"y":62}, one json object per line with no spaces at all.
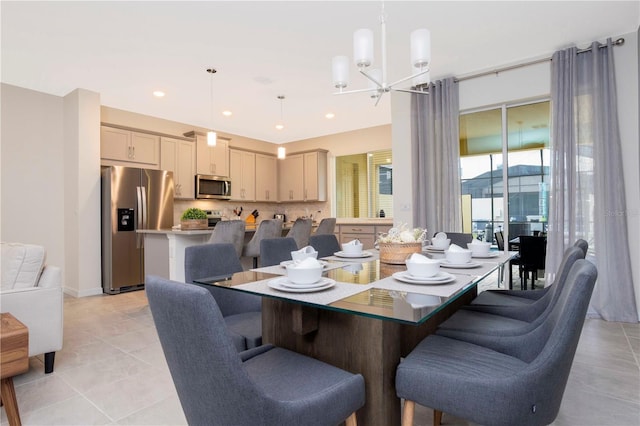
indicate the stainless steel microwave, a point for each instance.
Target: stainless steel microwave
{"x":213,"y":187}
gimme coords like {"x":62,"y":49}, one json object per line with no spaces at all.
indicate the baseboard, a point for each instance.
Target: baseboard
{"x":95,"y":291}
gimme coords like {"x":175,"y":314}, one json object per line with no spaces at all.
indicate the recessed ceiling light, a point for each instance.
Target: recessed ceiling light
{"x":158,"y":93}
{"x":227,"y":113}
{"x":330,"y":115}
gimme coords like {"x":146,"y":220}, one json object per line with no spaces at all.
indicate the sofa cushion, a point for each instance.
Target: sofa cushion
{"x":21,"y":265}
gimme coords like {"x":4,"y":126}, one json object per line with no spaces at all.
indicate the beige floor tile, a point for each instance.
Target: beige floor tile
{"x":152,"y":355}
{"x":166,"y":412}
{"x":70,"y":357}
{"x":73,"y":411}
{"x":134,"y":340}
{"x":41,"y":393}
{"x":124,"y":397}
{"x":91,"y":375}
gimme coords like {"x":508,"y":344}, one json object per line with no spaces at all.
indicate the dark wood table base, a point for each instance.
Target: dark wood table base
{"x":14,"y":360}
{"x":369,"y":346}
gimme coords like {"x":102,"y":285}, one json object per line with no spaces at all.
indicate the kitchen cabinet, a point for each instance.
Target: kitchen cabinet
{"x":315,"y":176}
{"x":242,"y":168}
{"x":212,"y":160}
{"x":290,"y":179}
{"x":179,"y":156}
{"x":121,"y":145}
{"x":266,"y":178}
{"x":312,"y":167}
{"x":366,"y":233}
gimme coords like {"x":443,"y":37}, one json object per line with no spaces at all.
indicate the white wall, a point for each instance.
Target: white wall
{"x":32,"y":170}
{"x":535,"y":82}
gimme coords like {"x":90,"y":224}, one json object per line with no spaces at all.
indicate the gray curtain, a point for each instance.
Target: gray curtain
{"x":435,"y":151}
{"x":587,"y":186}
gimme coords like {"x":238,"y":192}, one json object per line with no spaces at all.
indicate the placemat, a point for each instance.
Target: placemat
{"x":324,"y":297}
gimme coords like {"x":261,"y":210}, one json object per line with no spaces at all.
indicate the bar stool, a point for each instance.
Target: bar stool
{"x":300,"y":231}
{"x":229,"y":231}
{"x":268,"y":228}
{"x":326,"y":226}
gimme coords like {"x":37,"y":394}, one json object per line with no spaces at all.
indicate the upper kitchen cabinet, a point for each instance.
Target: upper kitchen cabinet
{"x":121,"y":145}
{"x":315,"y":176}
{"x":211,"y":160}
{"x":179,"y":156}
{"x":290,"y":182}
{"x":242,"y":168}
{"x":312,"y":167}
{"x":266,"y":178}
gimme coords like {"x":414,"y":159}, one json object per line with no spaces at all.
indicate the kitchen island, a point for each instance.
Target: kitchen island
{"x":164,"y":248}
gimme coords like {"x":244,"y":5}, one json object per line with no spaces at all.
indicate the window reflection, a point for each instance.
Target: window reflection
{"x":364,"y":185}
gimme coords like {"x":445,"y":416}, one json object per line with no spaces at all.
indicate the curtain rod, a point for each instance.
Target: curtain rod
{"x":617,"y":42}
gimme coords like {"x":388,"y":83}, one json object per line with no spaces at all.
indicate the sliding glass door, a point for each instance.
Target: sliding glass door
{"x":518,"y":134}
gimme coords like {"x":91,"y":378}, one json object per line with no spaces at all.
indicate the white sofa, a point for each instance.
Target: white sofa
{"x":32,"y":292}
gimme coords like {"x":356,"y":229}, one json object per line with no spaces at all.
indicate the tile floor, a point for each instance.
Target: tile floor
{"x":112,"y":372}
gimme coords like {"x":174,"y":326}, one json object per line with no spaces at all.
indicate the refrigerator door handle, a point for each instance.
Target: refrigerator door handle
{"x":145,"y":221}
{"x":139,"y":210}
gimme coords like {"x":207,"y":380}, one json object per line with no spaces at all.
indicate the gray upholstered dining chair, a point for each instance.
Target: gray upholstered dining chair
{"x":326,"y":226}
{"x":468,"y":324}
{"x":493,"y":299}
{"x":520,"y":382}
{"x":275,"y":250}
{"x":241,"y":312}
{"x":262,"y":386}
{"x":459,"y":238}
{"x":268,"y":228}
{"x":300,"y":232}
{"x":325,"y":244}
{"x":229,"y":231}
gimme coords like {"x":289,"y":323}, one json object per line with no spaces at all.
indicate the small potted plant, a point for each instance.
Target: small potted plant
{"x":400,"y":242}
{"x":194,"y":218}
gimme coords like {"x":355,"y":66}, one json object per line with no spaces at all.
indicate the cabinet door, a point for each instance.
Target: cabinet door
{"x":115,"y":144}
{"x":235,"y":173}
{"x":186,"y":169}
{"x":266,"y":178}
{"x":243,"y":175}
{"x":169,"y":161}
{"x":291,"y":186}
{"x":212,"y":160}
{"x":311,"y":176}
{"x":145,"y":148}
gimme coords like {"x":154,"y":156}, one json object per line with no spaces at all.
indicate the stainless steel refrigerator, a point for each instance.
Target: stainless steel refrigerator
{"x":131,"y":199}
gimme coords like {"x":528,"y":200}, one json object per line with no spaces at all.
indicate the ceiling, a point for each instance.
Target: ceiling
{"x":126,"y":50}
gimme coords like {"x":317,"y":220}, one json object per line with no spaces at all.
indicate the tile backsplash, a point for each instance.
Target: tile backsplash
{"x":292,"y":211}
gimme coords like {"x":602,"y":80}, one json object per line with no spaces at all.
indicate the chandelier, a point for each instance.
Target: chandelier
{"x":212,"y":137}
{"x":377,"y":78}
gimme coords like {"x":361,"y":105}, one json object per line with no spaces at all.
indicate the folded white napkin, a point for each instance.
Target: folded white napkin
{"x":353,"y":243}
{"x":308,"y":263}
{"x":306,"y":250}
{"x":455,"y":247}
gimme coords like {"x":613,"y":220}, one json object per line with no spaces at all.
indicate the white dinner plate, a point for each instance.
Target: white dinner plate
{"x":446,"y":264}
{"x":433,"y":249}
{"x":353,"y":255}
{"x":283,"y":284}
{"x":440,"y":278}
{"x":491,"y":254}
{"x":286,"y":263}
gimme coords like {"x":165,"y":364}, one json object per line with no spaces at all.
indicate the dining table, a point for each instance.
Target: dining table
{"x":363,"y":316}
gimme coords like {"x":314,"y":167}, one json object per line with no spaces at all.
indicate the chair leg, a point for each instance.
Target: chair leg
{"x":407,"y":413}
{"x":49,"y":358}
{"x":351,"y":420}
{"x":255,"y":262}
{"x":437,"y":417}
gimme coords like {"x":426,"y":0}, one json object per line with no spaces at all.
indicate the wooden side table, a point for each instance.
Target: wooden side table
{"x":14,"y":360}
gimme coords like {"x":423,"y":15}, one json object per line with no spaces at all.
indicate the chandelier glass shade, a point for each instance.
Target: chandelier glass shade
{"x":363,"y":58}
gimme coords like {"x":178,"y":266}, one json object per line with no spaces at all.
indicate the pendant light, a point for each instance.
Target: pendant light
{"x":280,"y":125}
{"x":211,"y":135}
{"x":282,"y":152}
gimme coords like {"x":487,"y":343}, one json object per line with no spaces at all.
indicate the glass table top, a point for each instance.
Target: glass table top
{"x":401,"y":305}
